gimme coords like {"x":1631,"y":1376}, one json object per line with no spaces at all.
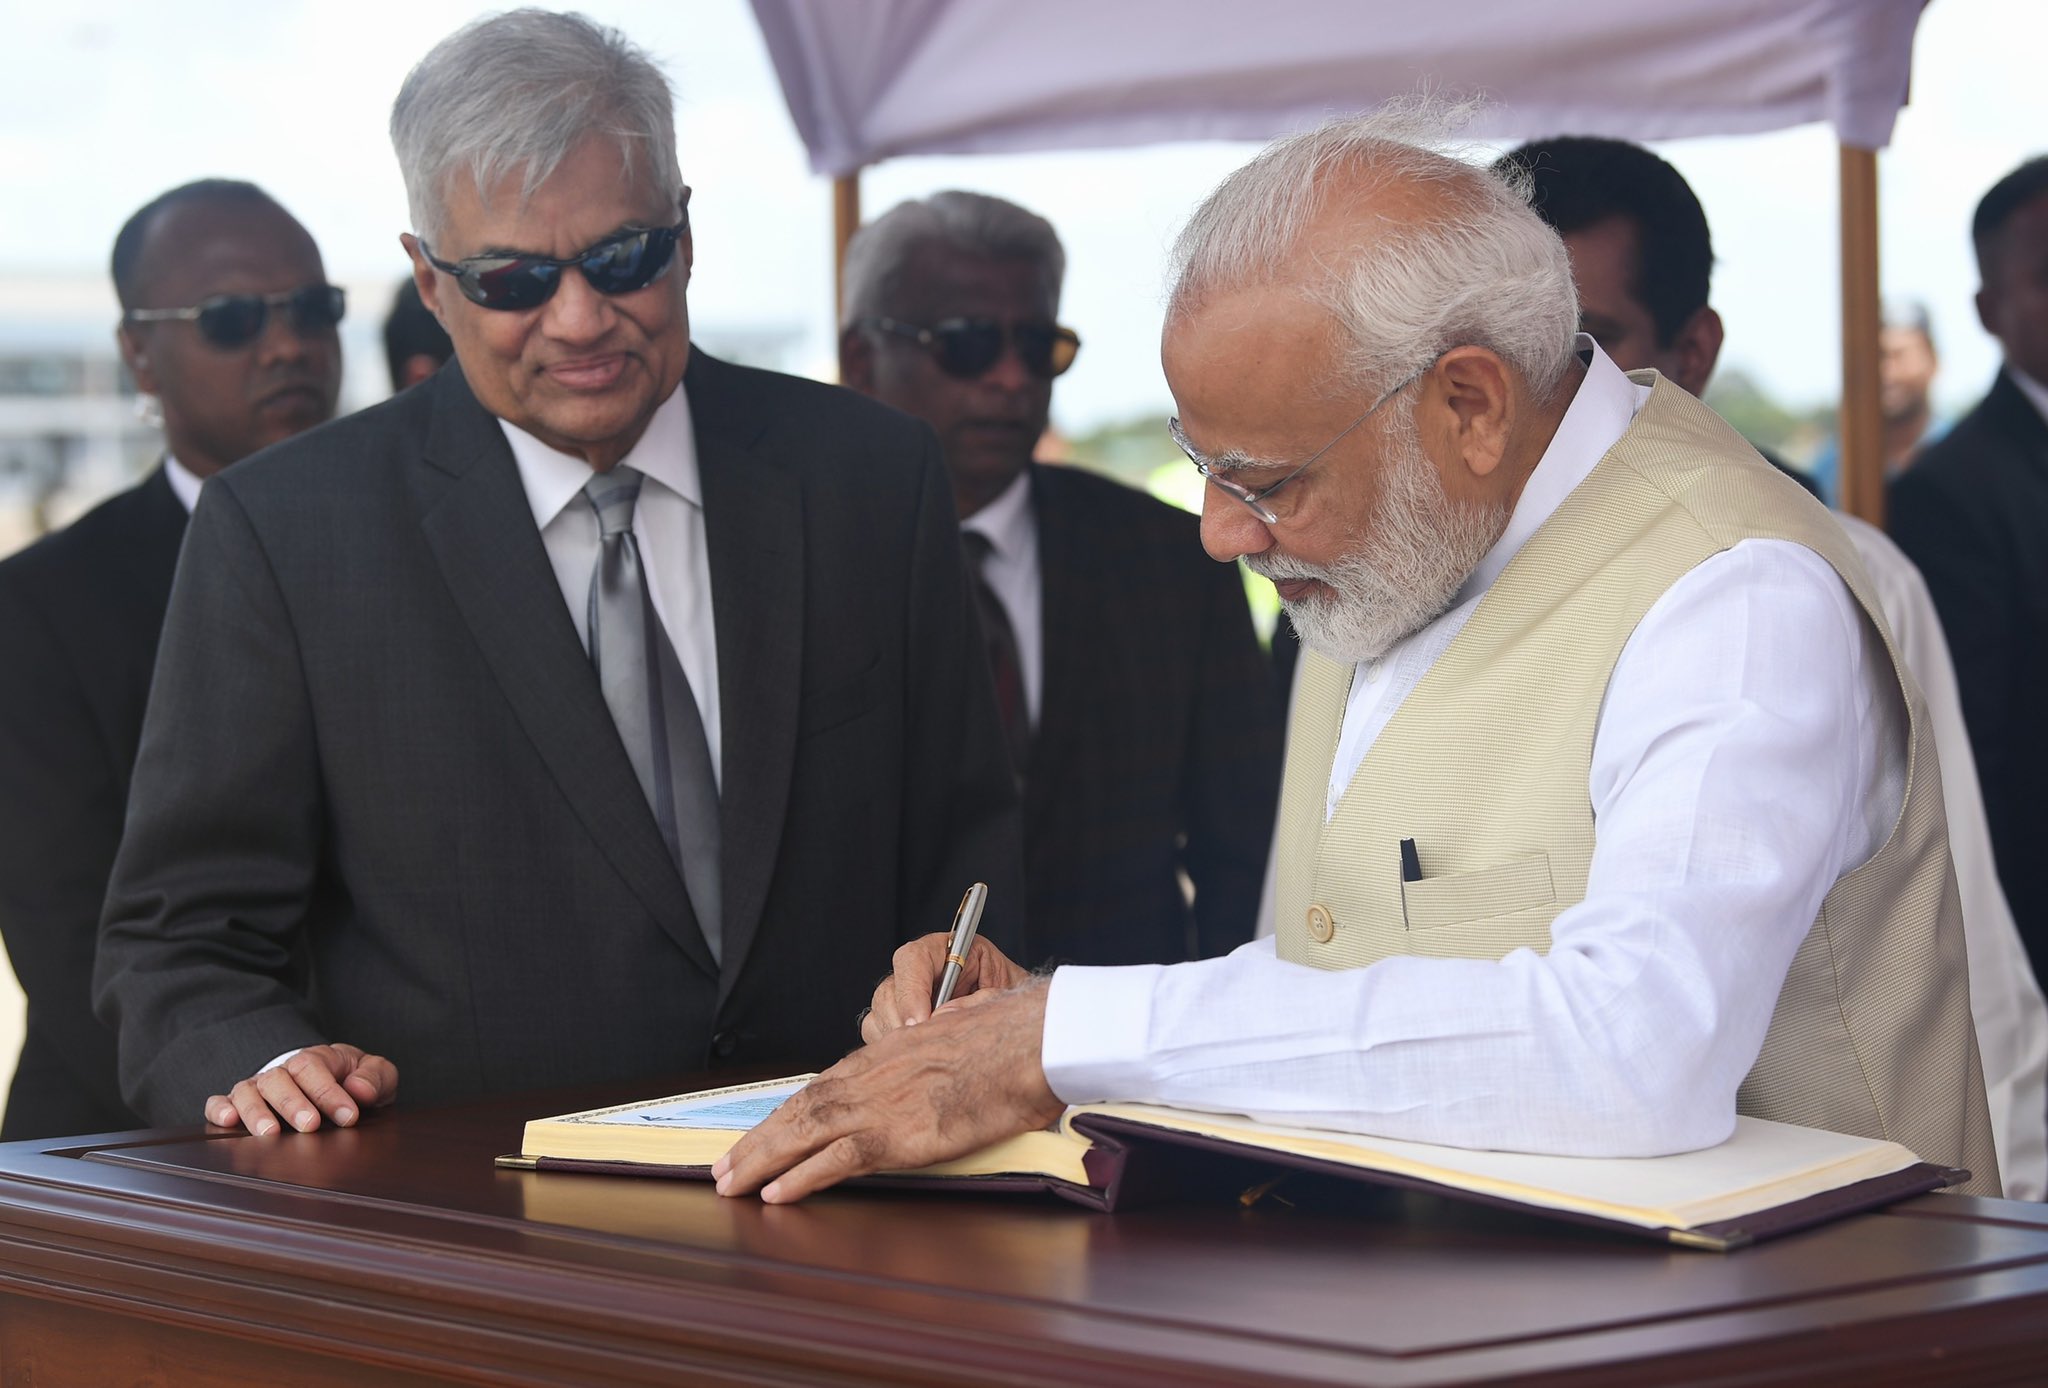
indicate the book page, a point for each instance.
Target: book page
{"x":696,"y":1129}
{"x":734,"y":1109}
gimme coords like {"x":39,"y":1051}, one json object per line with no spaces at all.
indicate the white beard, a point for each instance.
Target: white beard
{"x":1401,"y":572}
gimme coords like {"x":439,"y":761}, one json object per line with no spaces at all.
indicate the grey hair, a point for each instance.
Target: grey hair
{"x":972,"y":222}
{"x":1479,"y":267}
{"x":518,"y":91}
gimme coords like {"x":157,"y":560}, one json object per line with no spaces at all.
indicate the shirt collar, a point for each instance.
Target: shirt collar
{"x":2035,"y":392}
{"x":1007,"y":522}
{"x":1600,"y":413}
{"x":666,"y":452}
{"x":185,"y":483}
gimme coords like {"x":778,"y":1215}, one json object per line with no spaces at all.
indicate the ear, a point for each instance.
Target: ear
{"x":136,"y":354}
{"x":857,"y":361}
{"x":1696,"y":349}
{"x":1987,"y":311}
{"x":423,"y":277}
{"x":1469,"y":405}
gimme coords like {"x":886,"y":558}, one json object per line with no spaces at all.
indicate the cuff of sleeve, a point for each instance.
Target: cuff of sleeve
{"x":1098,"y":1025}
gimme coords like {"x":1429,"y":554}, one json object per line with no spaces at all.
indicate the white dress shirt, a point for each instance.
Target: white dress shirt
{"x":1750,"y":750}
{"x":669,"y":521}
{"x":1011,"y":528}
{"x":185,"y":483}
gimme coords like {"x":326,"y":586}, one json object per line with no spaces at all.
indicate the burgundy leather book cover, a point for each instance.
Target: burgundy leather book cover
{"x":1133,"y":1164}
{"x":1135,"y":1137}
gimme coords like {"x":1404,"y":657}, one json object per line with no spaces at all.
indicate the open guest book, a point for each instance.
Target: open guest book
{"x":1767,"y":1179}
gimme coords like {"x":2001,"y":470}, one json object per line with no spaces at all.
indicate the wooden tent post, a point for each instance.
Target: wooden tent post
{"x":845,"y":222}
{"x":1861,"y":428}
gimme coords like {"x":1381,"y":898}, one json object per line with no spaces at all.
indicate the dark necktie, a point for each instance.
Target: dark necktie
{"x":1003,"y":660}
{"x":650,"y":698}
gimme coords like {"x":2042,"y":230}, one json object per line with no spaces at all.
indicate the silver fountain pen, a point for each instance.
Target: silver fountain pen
{"x":966,"y":921}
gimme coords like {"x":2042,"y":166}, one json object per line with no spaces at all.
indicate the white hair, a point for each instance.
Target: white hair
{"x":980,"y":225}
{"x":1401,"y":570}
{"x":517,"y":92}
{"x":1477,"y":267}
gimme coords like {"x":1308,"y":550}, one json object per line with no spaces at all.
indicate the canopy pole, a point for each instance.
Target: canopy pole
{"x":845,"y":222}
{"x":1861,"y":428}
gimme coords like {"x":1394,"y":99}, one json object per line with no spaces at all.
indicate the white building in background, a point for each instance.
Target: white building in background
{"x":70,"y":433}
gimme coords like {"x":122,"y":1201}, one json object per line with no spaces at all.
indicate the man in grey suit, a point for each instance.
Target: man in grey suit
{"x":549,"y":723}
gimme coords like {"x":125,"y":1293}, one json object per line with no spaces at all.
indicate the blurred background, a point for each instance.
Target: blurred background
{"x":103,"y":105}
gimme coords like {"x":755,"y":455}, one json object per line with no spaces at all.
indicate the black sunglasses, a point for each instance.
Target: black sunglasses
{"x":616,"y":265}
{"x":967,"y":347}
{"x":235,"y":320}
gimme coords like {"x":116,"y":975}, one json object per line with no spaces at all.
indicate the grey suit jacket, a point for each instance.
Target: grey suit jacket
{"x":380,"y":798}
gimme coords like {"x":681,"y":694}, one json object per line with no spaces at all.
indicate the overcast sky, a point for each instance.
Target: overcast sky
{"x":105,"y":104}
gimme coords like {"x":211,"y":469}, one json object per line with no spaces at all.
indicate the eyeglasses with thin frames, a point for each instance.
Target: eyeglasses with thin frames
{"x":1259,"y":501}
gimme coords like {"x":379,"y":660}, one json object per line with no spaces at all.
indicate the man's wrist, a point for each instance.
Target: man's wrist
{"x":1097,"y":1035}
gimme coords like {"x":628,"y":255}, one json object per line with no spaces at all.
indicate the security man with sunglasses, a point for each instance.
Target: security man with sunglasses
{"x":1139,"y":715}
{"x":228,"y":325}
{"x":595,"y":710}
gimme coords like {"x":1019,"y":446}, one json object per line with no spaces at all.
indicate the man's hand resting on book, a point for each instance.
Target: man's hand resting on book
{"x":904,"y":998}
{"x":966,"y":1077}
{"x":338,"y":1081}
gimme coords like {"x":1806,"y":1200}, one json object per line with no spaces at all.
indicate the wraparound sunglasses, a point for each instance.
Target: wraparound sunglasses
{"x":616,"y":265}
{"x":229,"y":321}
{"x":967,"y":347}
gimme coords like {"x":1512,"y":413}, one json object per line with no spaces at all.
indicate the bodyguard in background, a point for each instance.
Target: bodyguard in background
{"x":1973,"y":514}
{"x":228,"y":324}
{"x":415,"y":344}
{"x":594,"y":710}
{"x":1138,"y":710}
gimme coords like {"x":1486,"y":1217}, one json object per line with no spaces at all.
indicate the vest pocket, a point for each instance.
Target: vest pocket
{"x":1520,"y":885}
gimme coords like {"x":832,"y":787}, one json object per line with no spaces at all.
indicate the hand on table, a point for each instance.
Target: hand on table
{"x":904,"y":998}
{"x":964,"y":1078}
{"x":336,"y":1080}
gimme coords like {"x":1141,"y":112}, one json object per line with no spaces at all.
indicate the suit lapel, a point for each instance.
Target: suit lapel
{"x":152,"y":555}
{"x":2018,"y":419}
{"x":481,"y":531}
{"x":753,"y":526}
{"x":1067,"y":610}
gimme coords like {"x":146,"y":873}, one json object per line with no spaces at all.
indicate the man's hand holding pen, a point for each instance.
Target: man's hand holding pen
{"x":928,"y":1086}
{"x":904,"y":998}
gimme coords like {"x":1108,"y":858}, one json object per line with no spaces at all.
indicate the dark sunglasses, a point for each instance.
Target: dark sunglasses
{"x":235,"y":320}
{"x":967,"y":347}
{"x":616,"y":265}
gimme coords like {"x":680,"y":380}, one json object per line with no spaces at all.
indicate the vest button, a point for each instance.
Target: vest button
{"x":1320,"y":926}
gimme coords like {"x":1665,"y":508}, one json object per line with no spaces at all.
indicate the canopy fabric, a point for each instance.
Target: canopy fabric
{"x":868,"y":80}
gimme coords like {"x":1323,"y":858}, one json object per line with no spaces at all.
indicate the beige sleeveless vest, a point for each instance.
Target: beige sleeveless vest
{"x":1872,"y":1033}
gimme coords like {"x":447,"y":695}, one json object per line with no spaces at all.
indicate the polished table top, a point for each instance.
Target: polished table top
{"x":400,"y":1247}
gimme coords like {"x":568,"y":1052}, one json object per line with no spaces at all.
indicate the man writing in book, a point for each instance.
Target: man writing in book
{"x":1608,"y":812}
{"x":532,"y":727}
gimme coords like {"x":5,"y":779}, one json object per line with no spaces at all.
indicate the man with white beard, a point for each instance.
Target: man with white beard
{"x":1608,"y":812}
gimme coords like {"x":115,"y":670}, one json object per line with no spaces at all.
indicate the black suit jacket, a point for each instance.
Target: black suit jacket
{"x":1972,"y":512}
{"x":1158,"y":744}
{"x":380,"y":798}
{"x":80,"y":612}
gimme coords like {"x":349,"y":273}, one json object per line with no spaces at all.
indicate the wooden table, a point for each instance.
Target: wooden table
{"x":396,"y":1254}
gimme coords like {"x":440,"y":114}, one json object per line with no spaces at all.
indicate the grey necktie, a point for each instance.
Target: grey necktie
{"x":650,"y":698}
